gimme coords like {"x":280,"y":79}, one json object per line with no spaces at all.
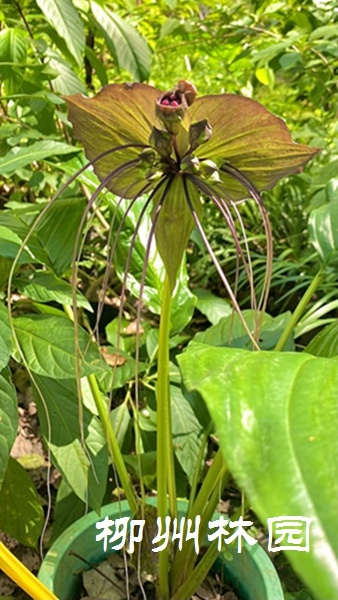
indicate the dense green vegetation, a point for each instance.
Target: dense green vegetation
{"x":282,"y":54}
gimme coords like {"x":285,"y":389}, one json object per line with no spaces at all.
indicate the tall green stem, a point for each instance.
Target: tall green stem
{"x":165,"y":459}
{"x":315,"y":283}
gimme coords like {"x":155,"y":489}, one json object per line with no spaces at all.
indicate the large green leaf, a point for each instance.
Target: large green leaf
{"x":21,"y":514}
{"x":276,"y":415}
{"x":8,"y":422}
{"x":17,"y":158}
{"x":64,"y":18}
{"x":48,"y":345}
{"x":128,"y":48}
{"x":323,"y":228}
{"x":84,"y":468}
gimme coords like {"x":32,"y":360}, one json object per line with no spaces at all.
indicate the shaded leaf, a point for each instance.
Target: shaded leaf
{"x":64,"y":18}
{"x":8,"y":422}
{"x":276,"y":415}
{"x":213,"y":307}
{"x":129,"y":49}
{"x":5,"y":337}
{"x":85,"y":469}
{"x":325,"y":343}
{"x":21,"y":514}
{"x":186,"y":430}
{"x":323,"y":230}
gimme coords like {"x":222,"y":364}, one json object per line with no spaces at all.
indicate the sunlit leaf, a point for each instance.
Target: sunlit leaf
{"x":64,"y":18}
{"x":17,"y":158}
{"x":48,"y":345}
{"x":323,"y":229}
{"x":276,"y":415}
{"x":127,"y":46}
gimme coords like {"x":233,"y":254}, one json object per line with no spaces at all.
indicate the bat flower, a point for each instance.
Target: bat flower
{"x":181,"y":150}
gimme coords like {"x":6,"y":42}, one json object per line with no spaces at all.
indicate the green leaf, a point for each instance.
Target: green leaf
{"x":325,"y":343}
{"x":13,"y":48}
{"x":85,"y":469}
{"x":213,"y":307}
{"x":186,"y":431}
{"x":17,"y":157}
{"x":21,"y":514}
{"x":10,"y":243}
{"x":120,"y":418}
{"x":323,"y":230}
{"x":66,"y":82}
{"x":8,"y":422}
{"x":68,"y":508}
{"x":64,"y":18}
{"x":96,"y":63}
{"x":276,"y":415}
{"x":126,"y":45}
{"x":57,"y":232}
{"x":48,"y":345}
{"x":45,"y":287}
{"x":5,"y":337}
{"x":230,"y":331}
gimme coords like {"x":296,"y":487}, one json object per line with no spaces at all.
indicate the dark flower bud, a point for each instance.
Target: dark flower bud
{"x":188,"y":89}
{"x":190,"y":164}
{"x":170,"y":108}
{"x":161,"y":140}
{"x":199,"y":133}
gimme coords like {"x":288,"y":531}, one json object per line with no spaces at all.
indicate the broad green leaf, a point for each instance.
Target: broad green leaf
{"x":10,"y":244}
{"x":213,"y":307}
{"x":230,"y":331}
{"x":85,"y":469}
{"x":58,"y":230}
{"x":66,"y":81}
{"x":48,"y":345}
{"x":45,"y":287}
{"x":5,"y":337}
{"x":186,"y":431}
{"x":21,"y":514}
{"x":323,"y":229}
{"x":8,"y":422}
{"x":276,"y":415}
{"x":325,"y":343}
{"x":17,"y":158}
{"x":247,"y":136}
{"x":13,"y":48}
{"x":126,"y":45}
{"x":64,"y":18}
{"x":327,"y":31}
{"x":99,"y":67}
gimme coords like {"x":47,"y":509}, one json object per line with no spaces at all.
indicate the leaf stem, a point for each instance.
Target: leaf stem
{"x":300,"y":308}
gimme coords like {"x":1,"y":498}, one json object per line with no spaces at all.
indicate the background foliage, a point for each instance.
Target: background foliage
{"x":283,"y":54}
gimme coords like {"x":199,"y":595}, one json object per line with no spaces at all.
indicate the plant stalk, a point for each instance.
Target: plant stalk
{"x":299,"y":311}
{"x":165,"y":459}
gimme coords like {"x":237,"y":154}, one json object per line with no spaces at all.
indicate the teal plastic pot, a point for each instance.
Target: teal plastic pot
{"x":251,"y":572}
